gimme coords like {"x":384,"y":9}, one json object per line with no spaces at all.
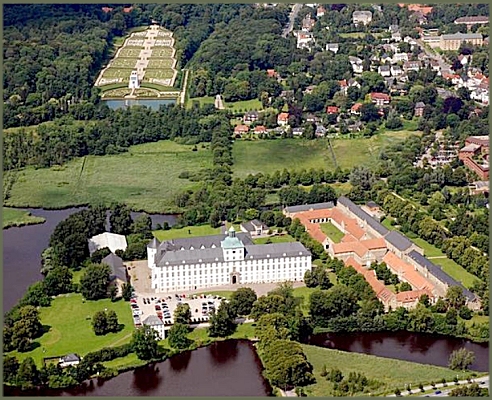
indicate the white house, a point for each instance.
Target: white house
{"x":361,"y":17}
{"x":133,"y":83}
{"x":156,"y":324}
{"x":110,"y":240}
{"x":400,"y":57}
{"x":254,"y":228}
{"x":333,"y":47}
{"x":69,"y":360}
{"x":396,"y":70}
{"x":384,"y":70}
{"x":356,"y":63}
{"x":210,"y":261}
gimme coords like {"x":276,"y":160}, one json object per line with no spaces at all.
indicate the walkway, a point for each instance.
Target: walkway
{"x":292,"y":16}
{"x":415,"y":390}
{"x":183,"y":91}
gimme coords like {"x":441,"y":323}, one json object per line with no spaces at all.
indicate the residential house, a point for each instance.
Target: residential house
{"x":320,"y":131}
{"x":69,"y":360}
{"x":332,"y":110}
{"x":384,"y":70}
{"x":480,"y":95}
{"x":308,"y":23}
{"x":435,"y":65}
{"x":157,"y":325}
{"x":260,"y":129}
{"x":411,"y":66}
{"x":419,"y":109}
{"x":305,"y":40}
{"x":343,"y":86}
{"x":250,"y":117}
{"x":320,"y":11}
{"x":309,"y":89}
{"x":361,"y":17}
{"x":297,"y":131}
{"x":357,"y":64}
{"x":464,"y":59}
{"x":283,"y":119}
{"x":272,"y":73}
{"x":399,"y":57}
{"x":396,"y":36}
{"x":311,"y":118}
{"x":380,"y":99}
{"x":355,"y":127}
{"x":396,"y":70}
{"x":353,"y":83}
{"x":254,"y":228}
{"x":385,"y":58}
{"x":333,"y":47}
{"x":241,"y":129}
{"x":110,"y":240}
{"x":393,"y":28}
{"x":117,"y":275}
{"x":355,"y":109}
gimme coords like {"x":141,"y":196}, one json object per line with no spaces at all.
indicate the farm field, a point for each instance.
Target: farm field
{"x":71,"y":332}
{"x":144,"y":178}
{"x":389,"y":372}
{"x":297,"y":154}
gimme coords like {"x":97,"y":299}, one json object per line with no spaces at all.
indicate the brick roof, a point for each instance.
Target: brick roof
{"x":380,"y":96}
{"x":407,"y":271}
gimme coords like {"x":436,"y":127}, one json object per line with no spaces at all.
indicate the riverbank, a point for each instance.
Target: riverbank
{"x":12,"y":217}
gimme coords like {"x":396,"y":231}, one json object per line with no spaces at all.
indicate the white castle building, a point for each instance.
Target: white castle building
{"x":134,"y":83}
{"x":208,"y":261}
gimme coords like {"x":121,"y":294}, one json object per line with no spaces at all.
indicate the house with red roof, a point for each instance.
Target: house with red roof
{"x":260,"y":129}
{"x":355,"y":109}
{"x":241,"y":129}
{"x":332,"y":110}
{"x":283,"y":119}
{"x":380,"y":99}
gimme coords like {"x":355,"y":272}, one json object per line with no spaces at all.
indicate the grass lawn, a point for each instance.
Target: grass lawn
{"x":246,"y":105}
{"x":332,"y":232}
{"x":429,"y":249}
{"x":267,"y":156}
{"x":70,"y":331}
{"x":222,"y":293}
{"x":13,"y":217}
{"x":244,"y":331}
{"x":391,"y":373}
{"x":456,"y":271}
{"x":201,"y":100}
{"x":144,"y":178}
{"x":187,"y":231}
{"x":130,"y":360}
{"x":275,"y":239}
{"x":477,"y":319}
{"x":76,"y":275}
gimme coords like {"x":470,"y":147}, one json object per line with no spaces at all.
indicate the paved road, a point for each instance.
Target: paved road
{"x":292,"y":16}
{"x":435,"y":56}
{"x":440,"y":386}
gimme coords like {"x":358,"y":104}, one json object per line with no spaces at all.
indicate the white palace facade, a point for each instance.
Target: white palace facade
{"x":209,"y":261}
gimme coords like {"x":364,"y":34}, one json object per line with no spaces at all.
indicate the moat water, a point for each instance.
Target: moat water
{"x":125,"y":103}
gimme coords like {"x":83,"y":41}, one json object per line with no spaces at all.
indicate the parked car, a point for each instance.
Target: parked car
{"x":437,"y":392}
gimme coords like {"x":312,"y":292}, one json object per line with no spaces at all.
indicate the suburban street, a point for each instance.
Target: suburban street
{"x":292,"y":17}
{"x":443,"y":65}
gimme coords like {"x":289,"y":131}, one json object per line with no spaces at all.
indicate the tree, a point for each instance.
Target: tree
{"x":420,"y":319}
{"x":460,"y":359}
{"x":472,"y":390}
{"x":113,"y":292}
{"x":242,"y":301}
{"x":178,"y":336}
{"x":455,"y":297}
{"x":369,"y":112}
{"x":10,"y":369}
{"x":58,"y":281}
{"x":143,"y":226}
{"x":36,"y":295}
{"x":100,"y":323}
{"x":28,"y":374}
{"x":145,"y":343}
{"x":339,"y":301}
{"x":127,"y":291}
{"x":222,"y":322}
{"x":465,"y":313}
{"x":94,"y":282}
{"x":120,"y":220}
{"x":112,"y":321}
{"x":182,"y":314}
{"x":27,"y":325}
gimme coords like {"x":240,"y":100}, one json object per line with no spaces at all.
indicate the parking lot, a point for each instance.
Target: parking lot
{"x":164,"y":306}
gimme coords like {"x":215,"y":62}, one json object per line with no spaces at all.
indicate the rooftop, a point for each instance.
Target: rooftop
{"x":110,"y":240}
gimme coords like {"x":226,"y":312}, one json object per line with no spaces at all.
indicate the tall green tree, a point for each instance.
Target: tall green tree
{"x":461,"y":359}
{"x":58,"y":281}
{"x":242,"y":301}
{"x":178,"y":336}
{"x":95,"y":281}
{"x":182,"y":314}
{"x":100,"y":323}
{"x":222,"y":322}
{"x":145,"y":343}
{"x":28,"y":374}
{"x":120,"y":219}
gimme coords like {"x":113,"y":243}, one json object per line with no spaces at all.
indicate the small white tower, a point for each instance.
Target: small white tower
{"x":151,"y":252}
{"x":232,"y":247}
{"x":134,"y":83}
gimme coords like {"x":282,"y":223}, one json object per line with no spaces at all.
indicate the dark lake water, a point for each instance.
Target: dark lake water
{"x":22,"y":248}
{"x":229,"y":368}
{"x":421,"y":348}
{"x":124,"y":103}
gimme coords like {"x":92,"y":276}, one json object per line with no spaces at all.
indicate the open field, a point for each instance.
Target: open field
{"x":118,"y":73}
{"x":159,"y":63}
{"x":129,"y":53}
{"x":332,"y":232}
{"x":162,"y":52}
{"x":389,"y":372}
{"x":144,"y":178}
{"x":296,"y":154}
{"x":121,"y":62}
{"x":164,"y":73}
{"x":187,"y":231}
{"x":13,"y":217}
{"x":70,"y":329}
{"x":201,"y":101}
{"x":246,"y":105}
